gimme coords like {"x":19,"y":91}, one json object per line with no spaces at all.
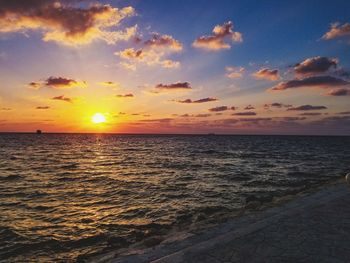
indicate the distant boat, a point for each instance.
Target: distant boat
{"x":38,"y":132}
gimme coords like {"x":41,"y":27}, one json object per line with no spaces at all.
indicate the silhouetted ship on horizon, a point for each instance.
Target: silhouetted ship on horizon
{"x":39,"y":132}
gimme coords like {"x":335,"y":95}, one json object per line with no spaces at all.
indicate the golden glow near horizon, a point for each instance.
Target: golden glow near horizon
{"x":98,"y":118}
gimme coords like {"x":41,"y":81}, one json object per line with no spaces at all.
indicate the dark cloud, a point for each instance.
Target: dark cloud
{"x":129,"y":95}
{"x":269,"y":74}
{"x":344,"y":113}
{"x":173,"y":86}
{"x":310,"y":114}
{"x":63,"y":98}
{"x":219,"y":108}
{"x":277,"y":105}
{"x":64,"y":21}
{"x":249,"y":107}
{"x":307,"y":107}
{"x":315,"y":65}
{"x":293,"y":118}
{"x":42,"y":107}
{"x":216,"y":41}
{"x":339,"y":92}
{"x":246,"y":113}
{"x":254,"y":119}
{"x":6,"y":109}
{"x":58,"y":83}
{"x":188,"y":101}
{"x":314,"y":81}
{"x":337,"y":31}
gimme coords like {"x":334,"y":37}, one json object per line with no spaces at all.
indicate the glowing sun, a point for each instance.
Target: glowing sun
{"x":98,"y":118}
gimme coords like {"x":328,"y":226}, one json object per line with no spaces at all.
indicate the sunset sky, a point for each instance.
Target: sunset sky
{"x":240,"y":67}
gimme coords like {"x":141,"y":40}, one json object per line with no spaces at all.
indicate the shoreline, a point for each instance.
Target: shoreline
{"x":255,"y":212}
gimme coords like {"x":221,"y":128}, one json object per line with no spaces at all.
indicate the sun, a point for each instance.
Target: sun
{"x":98,"y":118}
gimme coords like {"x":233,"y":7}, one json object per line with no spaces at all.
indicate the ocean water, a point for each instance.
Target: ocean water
{"x":64,"y":197}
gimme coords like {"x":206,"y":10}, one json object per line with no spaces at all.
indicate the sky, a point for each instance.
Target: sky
{"x":152,"y":66}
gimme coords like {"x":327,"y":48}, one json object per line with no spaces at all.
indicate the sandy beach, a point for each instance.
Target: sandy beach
{"x":311,"y":227}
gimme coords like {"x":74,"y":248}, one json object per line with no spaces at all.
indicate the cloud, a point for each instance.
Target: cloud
{"x":203,"y":115}
{"x":277,"y":105}
{"x":178,"y":86}
{"x":344,"y":113}
{"x":315,"y":65}
{"x":189,"y":101}
{"x":5,"y":109}
{"x":154,"y":52}
{"x":163,"y":42}
{"x":219,"y":108}
{"x":58,"y":83}
{"x":337,"y":31}
{"x":314,"y":81}
{"x":234,"y":72}
{"x":63,"y":98}
{"x":162,"y":120}
{"x":339,"y":92}
{"x":269,"y":74}
{"x":306,"y":108}
{"x":247,"y":113}
{"x":216,"y":41}
{"x":129,"y":95}
{"x":42,"y":107}
{"x":310,"y":114}
{"x":108,"y":83}
{"x":64,"y":22}
{"x":249,"y":107}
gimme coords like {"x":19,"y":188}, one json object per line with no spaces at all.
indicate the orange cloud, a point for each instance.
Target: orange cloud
{"x":234,"y":72}
{"x":154,"y":52}
{"x":216,"y":41}
{"x":65,"y":23}
{"x":269,"y":74}
{"x":337,"y":31}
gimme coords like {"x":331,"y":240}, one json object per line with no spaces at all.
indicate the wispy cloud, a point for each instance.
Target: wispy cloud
{"x":63,"y":98}
{"x":337,"y":31}
{"x":234,"y":72}
{"x":128,"y":95}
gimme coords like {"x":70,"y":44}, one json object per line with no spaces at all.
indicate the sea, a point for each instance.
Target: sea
{"x":68,"y":197}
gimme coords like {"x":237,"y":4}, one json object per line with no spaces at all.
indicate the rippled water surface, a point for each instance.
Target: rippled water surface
{"x":64,"y":197}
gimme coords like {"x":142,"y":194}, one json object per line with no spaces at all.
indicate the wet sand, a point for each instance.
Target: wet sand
{"x":313,"y":226}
